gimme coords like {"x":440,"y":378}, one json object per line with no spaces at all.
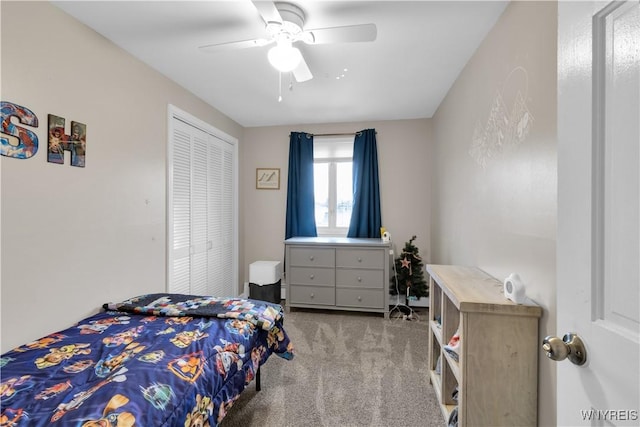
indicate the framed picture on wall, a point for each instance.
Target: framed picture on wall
{"x":268,"y":178}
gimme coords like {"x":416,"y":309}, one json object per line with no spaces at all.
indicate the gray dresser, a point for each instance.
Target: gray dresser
{"x":338,"y":273}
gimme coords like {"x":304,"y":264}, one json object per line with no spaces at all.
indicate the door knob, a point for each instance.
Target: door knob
{"x":570,"y":346}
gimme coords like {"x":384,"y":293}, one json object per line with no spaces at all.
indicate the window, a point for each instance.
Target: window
{"x":333,"y":181}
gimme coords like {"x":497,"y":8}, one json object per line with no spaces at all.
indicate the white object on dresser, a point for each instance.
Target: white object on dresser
{"x":514,"y":289}
{"x":338,"y":273}
{"x":496,"y":374}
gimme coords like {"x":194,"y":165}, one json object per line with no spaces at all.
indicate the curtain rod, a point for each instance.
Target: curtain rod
{"x":335,"y":134}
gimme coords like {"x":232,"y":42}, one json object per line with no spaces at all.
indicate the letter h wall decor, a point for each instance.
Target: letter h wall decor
{"x":59,"y":142}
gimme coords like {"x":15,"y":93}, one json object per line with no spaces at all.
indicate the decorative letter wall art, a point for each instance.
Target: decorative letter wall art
{"x":76,"y":143}
{"x":27,"y":141}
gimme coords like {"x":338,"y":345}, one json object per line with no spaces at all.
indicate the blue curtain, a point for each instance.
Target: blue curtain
{"x":365,"y":217}
{"x":301,"y":219}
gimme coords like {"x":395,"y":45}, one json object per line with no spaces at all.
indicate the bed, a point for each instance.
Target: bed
{"x":153,"y":360}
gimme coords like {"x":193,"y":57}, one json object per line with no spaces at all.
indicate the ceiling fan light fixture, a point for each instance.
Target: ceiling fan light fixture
{"x":284,"y":57}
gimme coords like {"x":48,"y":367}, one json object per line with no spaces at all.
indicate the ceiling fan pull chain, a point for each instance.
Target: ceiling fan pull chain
{"x":279,"y":86}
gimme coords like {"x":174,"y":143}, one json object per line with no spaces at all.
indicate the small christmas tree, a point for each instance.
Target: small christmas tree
{"x":409,"y":273}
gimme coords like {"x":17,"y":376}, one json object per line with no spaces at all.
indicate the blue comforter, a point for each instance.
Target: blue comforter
{"x":153,"y":360}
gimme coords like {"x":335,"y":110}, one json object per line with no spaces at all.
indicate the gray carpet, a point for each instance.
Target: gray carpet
{"x":350,"y":369}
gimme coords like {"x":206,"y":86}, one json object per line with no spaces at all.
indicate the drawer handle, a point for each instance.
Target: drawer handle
{"x":359,"y":298}
{"x":312,"y":295}
{"x":311,"y":258}
{"x":311,"y":276}
{"x":359,"y":259}
{"x":359,"y":279}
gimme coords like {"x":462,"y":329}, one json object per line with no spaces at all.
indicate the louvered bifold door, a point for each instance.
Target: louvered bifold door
{"x":217,"y":258}
{"x":200,"y":243}
{"x":180,"y":267}
{"x":228,"y":190}
{"x":201,"y":258}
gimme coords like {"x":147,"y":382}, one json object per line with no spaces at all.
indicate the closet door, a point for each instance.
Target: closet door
{"x":179,"y":240}
{"x":216,"y":256}
{"x":221,"y":215}
{"x":200,"y":241}
{"x":202,"y":211}
{"x":228,"y":206}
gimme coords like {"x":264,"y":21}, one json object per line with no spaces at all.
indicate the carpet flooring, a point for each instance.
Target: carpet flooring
{"x":350,"y":369}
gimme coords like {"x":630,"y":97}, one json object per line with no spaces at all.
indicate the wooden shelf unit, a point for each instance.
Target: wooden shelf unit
{"x":497,"y":371}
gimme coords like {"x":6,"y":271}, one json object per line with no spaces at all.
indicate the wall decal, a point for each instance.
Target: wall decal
{"x":59,"y":142}
{"x":504,"y":126}
{"x":24,"y":143}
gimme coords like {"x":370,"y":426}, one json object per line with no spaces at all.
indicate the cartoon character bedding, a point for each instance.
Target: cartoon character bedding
{"x":153,"y":360}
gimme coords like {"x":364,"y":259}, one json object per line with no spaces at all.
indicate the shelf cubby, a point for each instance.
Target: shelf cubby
{"x":496,"y":371}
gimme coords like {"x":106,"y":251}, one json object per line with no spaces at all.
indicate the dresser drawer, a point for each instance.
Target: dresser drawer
{"x":312,"y":257}
{"x":368,"y":298}
{"x":320,"y":295}
{"x":311,"y":276}
{"x":360,"y":258}
{"x":360,"y":278}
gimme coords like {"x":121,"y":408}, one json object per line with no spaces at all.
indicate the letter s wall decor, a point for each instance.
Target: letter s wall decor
{"x":27,"y":144}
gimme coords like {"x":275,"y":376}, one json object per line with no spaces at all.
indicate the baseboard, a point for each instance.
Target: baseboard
{"x":420,"y":302}
{"x":245,"y":291}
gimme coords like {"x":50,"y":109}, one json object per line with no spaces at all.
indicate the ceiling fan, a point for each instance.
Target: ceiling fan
{"x":284,"y":24}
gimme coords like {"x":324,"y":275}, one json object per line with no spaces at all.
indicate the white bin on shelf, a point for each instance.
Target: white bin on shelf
{"x":265,"y":279}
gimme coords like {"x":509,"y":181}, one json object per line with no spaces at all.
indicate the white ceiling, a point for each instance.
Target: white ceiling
{"x":421,"y":48}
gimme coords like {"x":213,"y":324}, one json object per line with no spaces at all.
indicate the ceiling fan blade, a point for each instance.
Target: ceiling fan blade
{"x":268,"y":11}
{"x":243,"y":44}
{"x":349,"y":33}
{"x":302,"y":72}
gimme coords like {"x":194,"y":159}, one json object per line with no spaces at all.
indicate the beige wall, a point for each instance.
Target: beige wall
{"x":496,"y":208}
{"x":403,"y":154}
{"x":74,"y":238}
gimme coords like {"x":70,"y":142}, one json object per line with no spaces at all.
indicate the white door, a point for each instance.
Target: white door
{"x":598,"y":282}
{"x":202,"y":231}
